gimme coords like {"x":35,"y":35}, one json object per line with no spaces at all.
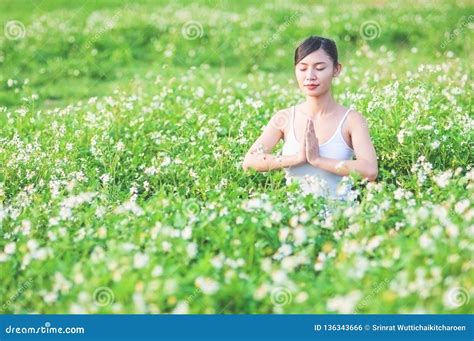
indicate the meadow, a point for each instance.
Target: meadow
{"x":123,"y":126}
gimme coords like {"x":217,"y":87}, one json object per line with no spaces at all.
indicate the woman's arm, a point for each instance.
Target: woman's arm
{"x":259,"y":156}
{"x":366,"y":158}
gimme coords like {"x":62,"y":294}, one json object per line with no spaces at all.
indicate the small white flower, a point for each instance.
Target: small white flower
{"x":120,"y":146}
{"x":105,"y":178}
{"x":344,"y":304}
{"x":181,"y":308}
{"x":442,"y":180}
{"x":157,"y":271}
{"x":461,"y":206}
{"x":10,"y":248}
{"x":283,"y":251}
{"x":166,"y":245}
{"x":32,"y":244}
{"x":207,"y":285}
{"x":299,"y":235}
{"x":199,"y":92}
{"x":374,"y":242}
{"x":187,"y":232}
{"x":150,"y":171}
{"x":191,"y":250}
{"x":140,"y":260}
{"x":279,"y":276}
{"x":425,"y":241}
{"x":166,"y":161}
{"x":452,"y":230}
{"x":399,"y":194}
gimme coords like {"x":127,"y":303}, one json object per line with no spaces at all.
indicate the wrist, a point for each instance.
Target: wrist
{"x":298,"y":160}
{"x":315,"y":162}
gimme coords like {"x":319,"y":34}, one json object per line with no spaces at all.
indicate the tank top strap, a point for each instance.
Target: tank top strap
{"x":292,"y":123}
{"x":343,"y":119}
{"x":293,"y":117}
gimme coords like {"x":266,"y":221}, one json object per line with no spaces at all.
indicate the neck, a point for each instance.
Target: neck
{"x":320,"y":106}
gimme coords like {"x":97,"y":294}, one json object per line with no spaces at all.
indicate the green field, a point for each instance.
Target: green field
{"x":123,"y":126}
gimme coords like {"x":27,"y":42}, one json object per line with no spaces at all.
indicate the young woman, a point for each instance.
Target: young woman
{"x":321,"y":136}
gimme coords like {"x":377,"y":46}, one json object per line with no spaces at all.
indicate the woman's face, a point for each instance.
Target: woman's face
{"x":315,"y":72}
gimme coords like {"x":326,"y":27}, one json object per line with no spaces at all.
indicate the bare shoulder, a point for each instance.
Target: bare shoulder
{"x":356,"y":120}
{"x":281,"y":118}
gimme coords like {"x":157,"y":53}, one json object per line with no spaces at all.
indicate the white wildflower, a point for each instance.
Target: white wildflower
{"x":9,"y":248}
{"x":140,"y":260}
{"x":207,"y":285}
{"x":344,"y":304}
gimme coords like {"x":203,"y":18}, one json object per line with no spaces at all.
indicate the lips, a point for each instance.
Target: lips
{"x":311,"y":86}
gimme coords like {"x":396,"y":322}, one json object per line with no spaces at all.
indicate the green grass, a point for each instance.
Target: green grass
{"x":178,"y":226}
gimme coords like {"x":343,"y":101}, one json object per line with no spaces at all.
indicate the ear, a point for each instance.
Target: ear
{"x":337,"y":69}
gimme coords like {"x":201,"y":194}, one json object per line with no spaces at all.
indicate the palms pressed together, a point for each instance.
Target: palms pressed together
{"x":309,"y":150}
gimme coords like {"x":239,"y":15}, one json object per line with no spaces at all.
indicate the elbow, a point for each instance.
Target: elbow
{"x":246,"y":164}
{"x":252,"y":162}
{"x":372,"y":174}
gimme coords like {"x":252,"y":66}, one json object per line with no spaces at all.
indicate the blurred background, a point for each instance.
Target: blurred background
{"x":62,"y":50}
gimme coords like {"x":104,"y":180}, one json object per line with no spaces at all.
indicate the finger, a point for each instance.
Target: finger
{"x":312,"y":132}
{"x":308,"y":127}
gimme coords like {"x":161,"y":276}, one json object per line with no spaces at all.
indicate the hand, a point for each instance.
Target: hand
{"x":301,"y":156}
{"x":312,"y":145}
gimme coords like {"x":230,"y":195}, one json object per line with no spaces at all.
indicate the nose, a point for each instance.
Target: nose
{"x":310,"y":74}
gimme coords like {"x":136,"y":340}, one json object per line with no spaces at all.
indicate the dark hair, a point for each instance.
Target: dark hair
{"x":312,"y":44}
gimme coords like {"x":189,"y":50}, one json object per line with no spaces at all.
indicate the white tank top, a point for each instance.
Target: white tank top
{"x":315,"y":180}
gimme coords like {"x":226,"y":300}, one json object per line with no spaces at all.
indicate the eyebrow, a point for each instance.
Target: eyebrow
{"x":314,"y":63}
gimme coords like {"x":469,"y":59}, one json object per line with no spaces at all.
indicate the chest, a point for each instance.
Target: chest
{"x":325,"y":129}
